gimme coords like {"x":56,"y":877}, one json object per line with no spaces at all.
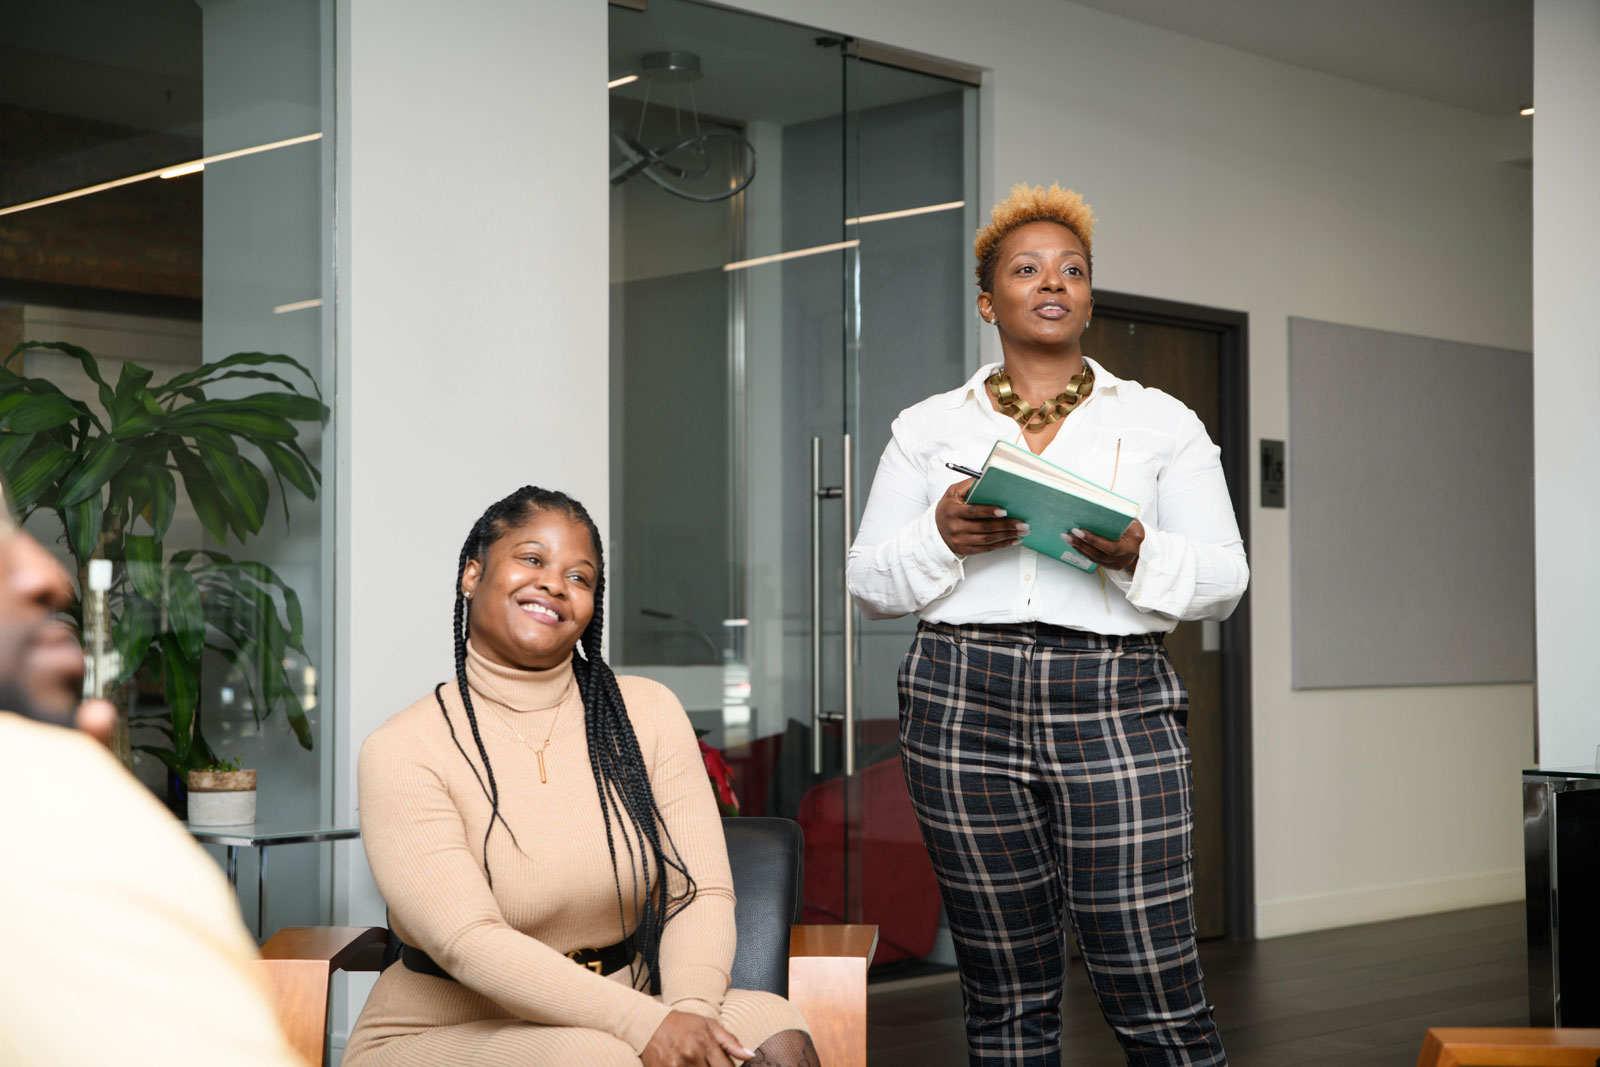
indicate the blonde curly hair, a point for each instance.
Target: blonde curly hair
{"x":1031,"y":203}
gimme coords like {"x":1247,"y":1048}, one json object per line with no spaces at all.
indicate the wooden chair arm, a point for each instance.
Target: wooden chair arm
{"x":1456,"y":1046}
{"x":828,"y":983}
{"x":298,"y":962}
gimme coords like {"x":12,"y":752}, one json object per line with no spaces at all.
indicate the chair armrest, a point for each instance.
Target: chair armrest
{"x":343,"y":948}
{"x":297,"y":963}
{"x":1453,"y":1046}
{"x":828,"y":984}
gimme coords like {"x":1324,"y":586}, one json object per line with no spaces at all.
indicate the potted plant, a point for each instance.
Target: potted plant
{"x":220,"y":794}
{"x":113,"y":480}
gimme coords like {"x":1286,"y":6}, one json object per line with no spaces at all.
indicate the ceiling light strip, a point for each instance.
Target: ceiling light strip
{"x":743,"y":263}
{"x":907,"y":213}
{"x":626,"y":79}
{"x":299,"y":305}
{"x":195,"y":164}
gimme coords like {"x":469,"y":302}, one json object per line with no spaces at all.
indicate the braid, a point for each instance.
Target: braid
{"x":620,"y":777}
{"x":492,"y":790}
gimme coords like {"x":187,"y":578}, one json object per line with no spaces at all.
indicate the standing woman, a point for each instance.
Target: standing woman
{"x":1041,"y":723}
{"x":546,"y":840}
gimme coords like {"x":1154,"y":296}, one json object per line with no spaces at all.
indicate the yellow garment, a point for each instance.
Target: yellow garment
{"x":120,"y":941}
{"x":519,"y":999}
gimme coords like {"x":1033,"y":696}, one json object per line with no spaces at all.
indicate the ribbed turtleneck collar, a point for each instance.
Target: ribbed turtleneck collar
{"x":518,"y":689}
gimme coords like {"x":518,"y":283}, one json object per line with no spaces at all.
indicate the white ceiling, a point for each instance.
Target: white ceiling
{"x":1473,"y":54}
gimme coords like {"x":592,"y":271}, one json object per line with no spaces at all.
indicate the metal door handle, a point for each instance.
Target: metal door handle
{"x":846,"y":482}
{"x":843,"y":493}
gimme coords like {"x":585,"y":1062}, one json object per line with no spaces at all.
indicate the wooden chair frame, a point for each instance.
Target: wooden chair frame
{"x":1509,"y":1047}
{"x":827,"y":982}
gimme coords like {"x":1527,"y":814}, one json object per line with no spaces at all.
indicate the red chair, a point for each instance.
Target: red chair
{"x":898,"y":890}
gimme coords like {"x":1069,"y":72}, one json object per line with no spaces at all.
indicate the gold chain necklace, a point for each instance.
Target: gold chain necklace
{"x":538,"y":752}
{"x":1033,"y":419}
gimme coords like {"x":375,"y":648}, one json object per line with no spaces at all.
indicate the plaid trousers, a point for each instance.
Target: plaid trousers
{"x":1049,"y":770}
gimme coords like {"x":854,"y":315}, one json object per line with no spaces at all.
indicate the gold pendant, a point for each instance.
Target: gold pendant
{"x":540,"y":754}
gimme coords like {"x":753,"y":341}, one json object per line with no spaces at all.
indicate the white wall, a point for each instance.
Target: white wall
{"x":472,"y":320}
{"x":1566,"y":371}
{"x":1224,"y":179}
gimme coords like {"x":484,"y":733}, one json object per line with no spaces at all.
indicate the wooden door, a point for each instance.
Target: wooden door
{"x":1185,"y":362}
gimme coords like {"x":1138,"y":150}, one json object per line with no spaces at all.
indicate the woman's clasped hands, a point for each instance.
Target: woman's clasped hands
{"x":687,"y":1040}
{"x":973,"y":528}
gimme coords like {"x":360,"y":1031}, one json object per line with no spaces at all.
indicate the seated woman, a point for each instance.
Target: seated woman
{"x":547,"y":842}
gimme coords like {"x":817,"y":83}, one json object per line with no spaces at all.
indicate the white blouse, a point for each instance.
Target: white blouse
{"x":1155,"y":450}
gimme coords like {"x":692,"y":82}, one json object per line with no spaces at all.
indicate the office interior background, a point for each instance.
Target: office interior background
{"x":411,"y":200}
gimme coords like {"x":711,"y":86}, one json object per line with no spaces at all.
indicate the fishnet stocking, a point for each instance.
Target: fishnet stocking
{"x":791,"y":1048}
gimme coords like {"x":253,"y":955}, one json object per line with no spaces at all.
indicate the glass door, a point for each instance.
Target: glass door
{"x":789,"y":234}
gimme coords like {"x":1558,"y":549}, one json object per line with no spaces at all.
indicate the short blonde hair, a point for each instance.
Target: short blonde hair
{"x":1031,"y":203}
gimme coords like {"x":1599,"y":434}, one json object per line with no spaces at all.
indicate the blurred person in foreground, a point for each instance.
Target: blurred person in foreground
{"x":122,"y":941}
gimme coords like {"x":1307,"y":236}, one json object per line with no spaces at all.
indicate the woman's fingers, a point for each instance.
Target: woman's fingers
{"x":730,"y":1044}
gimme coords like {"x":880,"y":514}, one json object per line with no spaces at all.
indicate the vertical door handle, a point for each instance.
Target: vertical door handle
{"x":816,"y":605}
{"x":847,"y":483}
{"x":843,"y":493}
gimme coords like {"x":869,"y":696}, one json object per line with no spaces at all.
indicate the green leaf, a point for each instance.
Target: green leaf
{"x":163,"y":500}
{"x":37,"y":473}
{"x":13,"y":445}
{"x":238,"y":359}
{"x":180,"y":681}
{"x":137,"y":423}
{"x":222,"y":442}
{"x":242,"y":486}
{"x":165,"y":755}
{"x":132,"y":633}
{"x":285,"y":405}
{"x":291,"y":601}
{"x":143,"y":555}
{"x":103,"y":459}
{"x":202,"y":492}
{"x":289,"y":466}
{"x":126,"y":398}
{"x":90,"y":367}
{"x":184,"y":613}
{"x":32,"y":413}
{"x":295,"y":712}
{"x":83,"y":526}
{"x":238,"y":421}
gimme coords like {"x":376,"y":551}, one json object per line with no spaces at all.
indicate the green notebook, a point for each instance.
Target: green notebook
{"x":1052,"y":500}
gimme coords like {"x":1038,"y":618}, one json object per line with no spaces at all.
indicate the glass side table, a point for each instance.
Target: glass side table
{"x":1561,"y":848}
{"x":260,"y":835}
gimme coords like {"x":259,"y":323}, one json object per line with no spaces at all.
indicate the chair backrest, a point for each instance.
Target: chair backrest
{"x":765,"y":855}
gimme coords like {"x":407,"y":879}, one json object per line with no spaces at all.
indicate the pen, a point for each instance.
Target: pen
{"x":968,"y":471}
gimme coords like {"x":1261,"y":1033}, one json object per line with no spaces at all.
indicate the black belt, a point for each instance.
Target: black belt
{"x":606,"y":960}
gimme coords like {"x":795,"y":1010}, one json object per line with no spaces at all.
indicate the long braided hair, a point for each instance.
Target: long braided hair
{"x":620,"y":777}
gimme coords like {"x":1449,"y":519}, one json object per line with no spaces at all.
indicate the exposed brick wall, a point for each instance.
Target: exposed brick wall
{"x":142,"y":238}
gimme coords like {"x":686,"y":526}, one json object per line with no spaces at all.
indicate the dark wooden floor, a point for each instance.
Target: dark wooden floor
{"x":1360,"y":996}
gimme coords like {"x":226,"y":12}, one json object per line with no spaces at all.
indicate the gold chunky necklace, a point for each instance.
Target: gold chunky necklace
{"x":1032,"y":419}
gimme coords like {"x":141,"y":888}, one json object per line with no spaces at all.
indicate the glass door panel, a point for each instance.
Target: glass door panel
{"x":752,"y":336}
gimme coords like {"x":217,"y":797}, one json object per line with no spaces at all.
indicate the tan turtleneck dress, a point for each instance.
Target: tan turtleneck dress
{"x":519,"y":1000}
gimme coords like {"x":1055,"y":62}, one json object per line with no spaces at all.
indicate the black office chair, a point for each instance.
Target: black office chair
{"x":766,"y":857}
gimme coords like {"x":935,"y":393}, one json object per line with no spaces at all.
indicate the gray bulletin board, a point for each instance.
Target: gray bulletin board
{"x":1410,"y":509}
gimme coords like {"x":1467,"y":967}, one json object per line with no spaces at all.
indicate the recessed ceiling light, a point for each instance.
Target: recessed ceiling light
{"x":1526,"y":111}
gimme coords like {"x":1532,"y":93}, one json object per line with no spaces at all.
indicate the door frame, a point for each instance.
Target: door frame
{"x":1232,"y":329}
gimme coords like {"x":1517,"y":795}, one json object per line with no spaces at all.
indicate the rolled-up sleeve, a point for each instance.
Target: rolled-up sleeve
{"x":1192,"y":563}
{"x":899,"y":562}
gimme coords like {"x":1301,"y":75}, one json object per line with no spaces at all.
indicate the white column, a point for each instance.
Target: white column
{"x":472,"y":323}
{"x":1566,"y":373}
